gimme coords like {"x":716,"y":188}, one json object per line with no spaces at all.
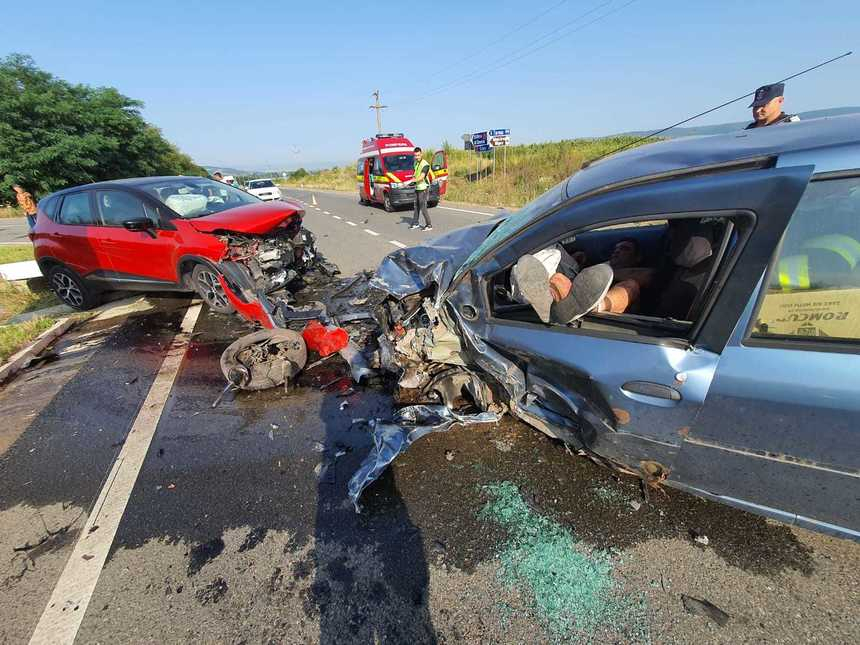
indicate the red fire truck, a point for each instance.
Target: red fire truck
{"x":385,"y":171}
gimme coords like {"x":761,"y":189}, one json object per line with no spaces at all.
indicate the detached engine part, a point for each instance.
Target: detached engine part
{"x":264,"y":359}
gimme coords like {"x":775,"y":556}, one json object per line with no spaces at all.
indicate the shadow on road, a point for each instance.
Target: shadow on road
{"x":370,"y":574}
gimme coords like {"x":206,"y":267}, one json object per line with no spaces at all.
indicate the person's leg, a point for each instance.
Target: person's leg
{"x":417,"y":209}
{"x":427,"y":223}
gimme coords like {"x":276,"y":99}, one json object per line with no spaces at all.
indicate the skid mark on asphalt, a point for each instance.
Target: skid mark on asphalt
{"x":68,"y":603}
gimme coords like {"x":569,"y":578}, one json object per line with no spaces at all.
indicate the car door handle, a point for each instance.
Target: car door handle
{"x":655,"y":390}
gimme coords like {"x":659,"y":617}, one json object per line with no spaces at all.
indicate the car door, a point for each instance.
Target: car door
{"x":626,"y":391}
{"x":439,"y":166}
{"x":781,"y":417}
{"x":135,"y":256}
{"x":73,"y":237}
{"x":368,"y":179}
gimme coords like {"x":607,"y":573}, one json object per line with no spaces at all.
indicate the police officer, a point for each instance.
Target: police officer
{"x":767,"y":107}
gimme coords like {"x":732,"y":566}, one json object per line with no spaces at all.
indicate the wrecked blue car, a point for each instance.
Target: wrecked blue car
{"x":731,"y":369}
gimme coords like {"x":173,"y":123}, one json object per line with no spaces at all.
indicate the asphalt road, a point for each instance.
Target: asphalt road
{"x":13,"y":230}
{"x":134,"y":511}
{"x":356,"y":237}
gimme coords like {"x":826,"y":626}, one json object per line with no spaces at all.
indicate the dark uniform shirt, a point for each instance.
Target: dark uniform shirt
{"x":782,"y":118}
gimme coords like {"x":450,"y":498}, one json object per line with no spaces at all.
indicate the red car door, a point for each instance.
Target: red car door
{"x":135,"y":255}
{"x":439,"y":166}
{"x":72,"y":239}
{"x":368,"y":165}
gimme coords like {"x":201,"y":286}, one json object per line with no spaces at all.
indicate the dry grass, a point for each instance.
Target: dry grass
{"x":14,"y":337}
{"x":10,"y":211}
{"x":528,"y":171}
{"x":18,"y":298}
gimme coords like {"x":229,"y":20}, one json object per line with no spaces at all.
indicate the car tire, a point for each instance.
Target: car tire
{"x":72,"y":290}
{"x":204,"y":280}
{"x":386,"y":204}
{"x":432,"y":204}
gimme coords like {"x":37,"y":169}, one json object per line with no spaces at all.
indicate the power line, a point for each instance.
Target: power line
{"x":504,"y":36}
{"x":530,"y":49}
{"x":714,"y":109}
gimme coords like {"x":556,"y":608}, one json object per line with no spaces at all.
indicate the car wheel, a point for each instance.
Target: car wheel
{"x":386,"y":203}
{"x":432,"y":204}
{"x":205,"y":282}
{"x":72,"y":290}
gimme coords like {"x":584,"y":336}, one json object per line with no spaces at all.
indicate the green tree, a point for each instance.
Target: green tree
{"x":54,"y":134}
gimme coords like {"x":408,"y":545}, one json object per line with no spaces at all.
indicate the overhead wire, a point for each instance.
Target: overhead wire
{"x":528,"y":50}
{"x":504,"y":36}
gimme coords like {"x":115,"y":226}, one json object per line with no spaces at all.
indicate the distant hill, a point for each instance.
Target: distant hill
{"x":723,"y":128}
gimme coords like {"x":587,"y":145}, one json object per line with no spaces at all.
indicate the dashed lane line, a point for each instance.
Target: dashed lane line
{"x":351,"y":223}
{"x":68,"y":603}
{"x":326,"y":213}
{"x":337,"y":217}
{"x":373,"y":233}
{"x":463,"y":210}
{"x":399,"y":245}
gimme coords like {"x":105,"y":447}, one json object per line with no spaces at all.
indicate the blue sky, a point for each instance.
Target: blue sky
{"x":262,"y":85}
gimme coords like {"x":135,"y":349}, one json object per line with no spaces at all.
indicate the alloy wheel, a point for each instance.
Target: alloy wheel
{"x":67,"y":290}
{"x":210,"y":290}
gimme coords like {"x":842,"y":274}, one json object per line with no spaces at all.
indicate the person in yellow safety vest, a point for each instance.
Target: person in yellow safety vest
{"x":828,"y":261}
{"x":423,"y":177}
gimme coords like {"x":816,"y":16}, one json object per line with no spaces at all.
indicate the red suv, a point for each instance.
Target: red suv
{"x":170,"y":234}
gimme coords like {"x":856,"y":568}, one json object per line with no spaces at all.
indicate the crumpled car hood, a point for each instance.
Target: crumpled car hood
{"x":253,"y":219}
{"x":408,"y":271}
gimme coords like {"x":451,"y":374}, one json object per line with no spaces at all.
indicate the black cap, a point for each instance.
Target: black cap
{"x":766,"y":93}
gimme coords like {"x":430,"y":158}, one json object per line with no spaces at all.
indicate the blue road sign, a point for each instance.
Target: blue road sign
{"x":482,"y":147}
{"x":479,"y":138}
{"x":503,"y":132}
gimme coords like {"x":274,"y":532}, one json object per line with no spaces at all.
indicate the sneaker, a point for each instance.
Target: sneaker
{"x":428,"y":228}
{"x":415,"y":226}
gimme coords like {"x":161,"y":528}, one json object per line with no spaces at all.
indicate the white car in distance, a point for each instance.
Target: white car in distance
{"x":265,"y":189}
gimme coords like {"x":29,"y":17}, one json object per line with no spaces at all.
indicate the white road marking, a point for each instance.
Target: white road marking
{"x":68,"y":603}
{"x":326,"y":213}
{"x":351,"y":223}
{"x":373,"y":233}
{"x":463,"y":210}
{"x":397,"y":244}
{"x":337,"y":216}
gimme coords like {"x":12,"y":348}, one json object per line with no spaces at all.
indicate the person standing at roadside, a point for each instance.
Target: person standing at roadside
{"x":422,"y":186}
{"x":767,"y":107}
{"x":27,"y":204}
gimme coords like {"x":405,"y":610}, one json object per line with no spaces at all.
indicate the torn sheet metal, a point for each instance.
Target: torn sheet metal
{"x":390,"y":438}
{"x":408,"y":271}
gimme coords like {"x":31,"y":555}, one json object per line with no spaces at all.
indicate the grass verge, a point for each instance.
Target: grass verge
{"x":17,"y":298}
{"x":14,"y":337}
{"x":15,"y":252}
{"x":10,"y":211}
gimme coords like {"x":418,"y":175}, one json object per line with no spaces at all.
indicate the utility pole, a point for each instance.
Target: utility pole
{"x":379,"y":108}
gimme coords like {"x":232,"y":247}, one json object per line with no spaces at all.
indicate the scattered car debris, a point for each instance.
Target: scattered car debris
{"x":706,"y":609}
{"x":390,"y":438}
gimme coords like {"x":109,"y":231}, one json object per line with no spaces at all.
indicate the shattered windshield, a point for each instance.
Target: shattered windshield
{"x":514,"y":223}
{"x":191,"y":197}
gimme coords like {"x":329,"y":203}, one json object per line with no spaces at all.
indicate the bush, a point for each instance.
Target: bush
{"x":54,"y":134}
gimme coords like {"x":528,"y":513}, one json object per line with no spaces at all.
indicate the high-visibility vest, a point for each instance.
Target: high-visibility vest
{"x":793,"y":271}
{"x":421,"y":184}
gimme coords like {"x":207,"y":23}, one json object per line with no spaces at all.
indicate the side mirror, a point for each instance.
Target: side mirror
{"x":140,"y":224}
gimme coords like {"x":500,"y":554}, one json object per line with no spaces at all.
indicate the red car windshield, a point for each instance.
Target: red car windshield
{"x":191,"y":197}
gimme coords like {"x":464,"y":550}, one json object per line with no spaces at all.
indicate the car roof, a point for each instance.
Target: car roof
{"x":132,"y":182}
{"x":689,"y":153}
